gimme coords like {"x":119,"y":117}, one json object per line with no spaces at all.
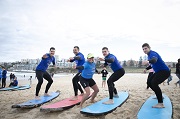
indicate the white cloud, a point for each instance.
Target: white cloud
{"x":29,"y":28}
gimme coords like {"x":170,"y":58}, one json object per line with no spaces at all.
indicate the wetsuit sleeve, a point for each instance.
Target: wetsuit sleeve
{"x":44,"y":55}
{"x":110,"y":60}
{"x":154,"y":58}
{"x":149,"y":67}
{"x":72,"y":60}
{"x":80,"y":67}
{"x":77,"y":58}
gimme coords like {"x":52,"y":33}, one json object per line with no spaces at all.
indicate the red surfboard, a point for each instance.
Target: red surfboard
{"x":61,"y":105}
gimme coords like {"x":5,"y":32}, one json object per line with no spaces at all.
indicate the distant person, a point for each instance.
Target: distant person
{"x":4,"y":77}
{"x":170,"y":77}
{"x":24,"y":76}
{"x":86,"y":78}
{"x":79,"y":60}
{"x":0,"y":75}
{"x":14,"y":82}
{"x":112,"y":61}
{"x":30,"y":79}
{"x":151,"y":72}
{"x":104,"y":75}
{"x":42,"y":73}
{"x":178,"y":72}
{"x":11,"y":77}
{"x":161,"y":73}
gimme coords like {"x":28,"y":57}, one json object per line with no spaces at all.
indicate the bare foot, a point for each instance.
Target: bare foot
{"x":80,"y":107}
{"x":37,"y":98}
{"x":74,"y":98}
{"x":46,"y":94}
{"x":109,"y":102}
{"x":159,"y":105}
{"x":92,"y":101}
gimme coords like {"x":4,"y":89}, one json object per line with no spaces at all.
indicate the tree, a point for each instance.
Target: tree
{"x":140,"y":62}
{"x":124,"y":63}
{"x":131,"y":63}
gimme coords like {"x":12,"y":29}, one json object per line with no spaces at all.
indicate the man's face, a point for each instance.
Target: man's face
{"x":52,"y":52}
{"x":105,"y":52}
{"x":146,"y":50}
{"x":75,"y":51}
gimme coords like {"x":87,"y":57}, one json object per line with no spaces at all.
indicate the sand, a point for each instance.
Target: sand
{"x":134,"y":83}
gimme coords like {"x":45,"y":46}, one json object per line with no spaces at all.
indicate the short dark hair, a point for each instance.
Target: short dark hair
{"x":52,"y":48}
{"x":104,"y":48}
{"x":146,"y":45}
{"x":178,"y":60}
{"x":76,"y":47}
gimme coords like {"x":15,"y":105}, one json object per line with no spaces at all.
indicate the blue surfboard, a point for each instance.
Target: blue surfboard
{"x":147,"y":112}
{"x":35,"y":103}
{"x":99,"y":108}
{"x":9,"y":88}
{"x":24,"y":87}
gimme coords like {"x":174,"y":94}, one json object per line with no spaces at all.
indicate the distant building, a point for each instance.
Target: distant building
{"x":56,"y":58}
{"x":132,"y":63}
{"x":26,"y":64}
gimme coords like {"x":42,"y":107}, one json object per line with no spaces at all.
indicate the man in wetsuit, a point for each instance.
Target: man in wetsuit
{"x":79,"y":60}
{"x":161,"y":73}
{"x":41,"y":72}
{"x":112,"y":61}
{"x":178,"y":72}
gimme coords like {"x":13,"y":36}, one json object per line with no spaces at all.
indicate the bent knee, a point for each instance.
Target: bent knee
{"x":109,"y":82}
{"x":51,"y":81}
{"x":97,"y":90}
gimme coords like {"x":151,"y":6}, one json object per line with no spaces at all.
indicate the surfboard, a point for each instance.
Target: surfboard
{"x":61,"y":105}
{"x":9,"y":88}
{"x":147,"y":112}
{"x":23,"y":87}
{"x":99,"y":108}
{"x":35,"y":103}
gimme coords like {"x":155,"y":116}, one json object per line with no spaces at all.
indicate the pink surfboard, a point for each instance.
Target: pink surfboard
{"x":61,"y":105}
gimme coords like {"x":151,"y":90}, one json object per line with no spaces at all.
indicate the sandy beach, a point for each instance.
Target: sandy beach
{"x":135,"y":84}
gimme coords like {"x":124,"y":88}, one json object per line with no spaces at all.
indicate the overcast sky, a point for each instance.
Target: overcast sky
{"x":28,"y":28}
